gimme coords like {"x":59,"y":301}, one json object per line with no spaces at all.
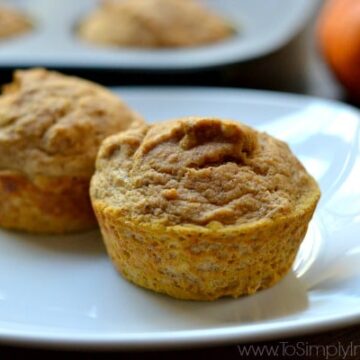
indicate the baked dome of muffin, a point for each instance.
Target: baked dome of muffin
{"x":51,"y":127}
{"x":200,"y":208}
{"x":13,"y":22}
{"x":153,"y":24}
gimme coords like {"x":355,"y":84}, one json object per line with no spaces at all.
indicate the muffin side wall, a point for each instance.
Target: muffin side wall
{"x":188,"y":262}
{"x":53,"y":205}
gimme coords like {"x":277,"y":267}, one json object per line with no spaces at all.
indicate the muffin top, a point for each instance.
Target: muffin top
{"x":153,"y":23}
{"x":199,"y":171}
{"x":52,"y":124}
{"x":12,"y":22}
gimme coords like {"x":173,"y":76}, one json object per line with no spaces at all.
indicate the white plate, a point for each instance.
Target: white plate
{"x":265,"y":27}
{"x":63,"y":291}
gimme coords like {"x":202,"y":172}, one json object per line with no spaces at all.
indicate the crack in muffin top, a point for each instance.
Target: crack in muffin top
{"x":198,"y":171}
{"x":53,"y":125}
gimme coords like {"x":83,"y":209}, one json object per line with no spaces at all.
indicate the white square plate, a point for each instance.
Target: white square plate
{"x":64,"y":291}
{"x":264,"y":26}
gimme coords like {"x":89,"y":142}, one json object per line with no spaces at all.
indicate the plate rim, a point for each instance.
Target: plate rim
{"x":236,"y":334}
{"x":272,"y":95}
{"x":171,"y":340}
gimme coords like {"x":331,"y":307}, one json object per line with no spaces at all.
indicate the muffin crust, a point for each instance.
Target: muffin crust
{"x":153,"y":23}
{"x":45,"y":204}
{"x":51,"y":127}
{"x":195,"y":171}
{"x":200,"y":208}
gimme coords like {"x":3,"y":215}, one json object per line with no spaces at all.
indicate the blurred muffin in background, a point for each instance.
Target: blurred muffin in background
{"x":13,"y":22}
{"x":154,"y":24}
{"x":51,"y":127}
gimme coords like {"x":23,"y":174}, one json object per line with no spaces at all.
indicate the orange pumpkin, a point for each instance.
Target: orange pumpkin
{"x":339,"y":35}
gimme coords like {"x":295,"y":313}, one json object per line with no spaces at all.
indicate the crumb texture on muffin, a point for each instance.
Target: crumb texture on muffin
{"x":200,"y":208}
{"x":45,"y":204}
{"x":154,"y":23}
{"x":196,"y":171}
{"x":13,"y":22}
{"x":51,"y":127}
{"x":52,"y":124}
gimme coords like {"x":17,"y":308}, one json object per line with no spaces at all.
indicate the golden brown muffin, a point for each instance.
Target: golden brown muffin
{"x":200,"y":208}
{"x":13,"y":23}
{"x":153,"y":24}
{"x":51,"y":127}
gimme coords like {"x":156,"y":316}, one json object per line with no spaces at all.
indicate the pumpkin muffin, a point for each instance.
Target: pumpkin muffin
{"x":12,"y":23}
{"x":51,"y":127}
{"x":153,"y":24}
{"x":200,"y":208}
